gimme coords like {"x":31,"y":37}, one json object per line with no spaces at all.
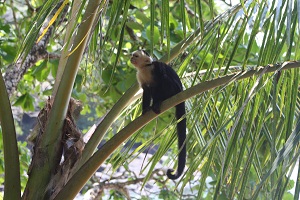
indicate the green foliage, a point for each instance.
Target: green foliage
{"x":26,"y":101}
{"x":41,"y":71}
{"x":242,"y":137}
{"x":7,"y":42}
{"x":164,"y":194}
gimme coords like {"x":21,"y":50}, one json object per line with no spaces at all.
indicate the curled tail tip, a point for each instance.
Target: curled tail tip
{"x":171,"y":175}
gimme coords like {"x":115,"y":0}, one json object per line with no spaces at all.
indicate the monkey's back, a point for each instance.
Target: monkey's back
{"x":167,"y":81}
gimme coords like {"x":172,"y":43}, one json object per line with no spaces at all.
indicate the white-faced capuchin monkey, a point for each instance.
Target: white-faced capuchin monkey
{"x":159,"y":82}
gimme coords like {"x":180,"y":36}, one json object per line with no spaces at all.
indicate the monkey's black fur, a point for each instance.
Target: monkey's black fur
{"x":165,"y":84}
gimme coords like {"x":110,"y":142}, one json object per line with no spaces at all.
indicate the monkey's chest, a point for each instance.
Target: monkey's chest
{"x":145,"y":76}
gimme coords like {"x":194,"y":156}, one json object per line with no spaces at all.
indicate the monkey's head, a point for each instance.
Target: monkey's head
{"x":140,"y":58}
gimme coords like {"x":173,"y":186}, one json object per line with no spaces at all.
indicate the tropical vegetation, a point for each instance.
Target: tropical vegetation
{"x":68,"y":61}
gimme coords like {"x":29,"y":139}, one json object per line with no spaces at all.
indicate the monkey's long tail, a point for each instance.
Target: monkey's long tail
{"x":181,"y":134}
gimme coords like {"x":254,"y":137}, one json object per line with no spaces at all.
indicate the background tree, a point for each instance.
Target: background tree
{"x":243,"y":130}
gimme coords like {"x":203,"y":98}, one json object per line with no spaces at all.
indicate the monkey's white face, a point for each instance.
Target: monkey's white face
{"x":139,"y":59}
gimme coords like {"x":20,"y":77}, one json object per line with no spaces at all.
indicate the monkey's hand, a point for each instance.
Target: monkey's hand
{"x":156,"y":108}
{"x":146,"y":110}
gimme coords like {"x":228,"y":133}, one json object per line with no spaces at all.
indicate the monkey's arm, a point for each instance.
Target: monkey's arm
{"x":146,"y":99}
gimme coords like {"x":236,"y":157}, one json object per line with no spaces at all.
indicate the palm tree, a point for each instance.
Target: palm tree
{"x":241,"y":93}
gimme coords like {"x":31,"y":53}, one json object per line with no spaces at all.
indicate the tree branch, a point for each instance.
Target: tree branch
{"x":12,"y":186}
{"x":16,"y":71}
